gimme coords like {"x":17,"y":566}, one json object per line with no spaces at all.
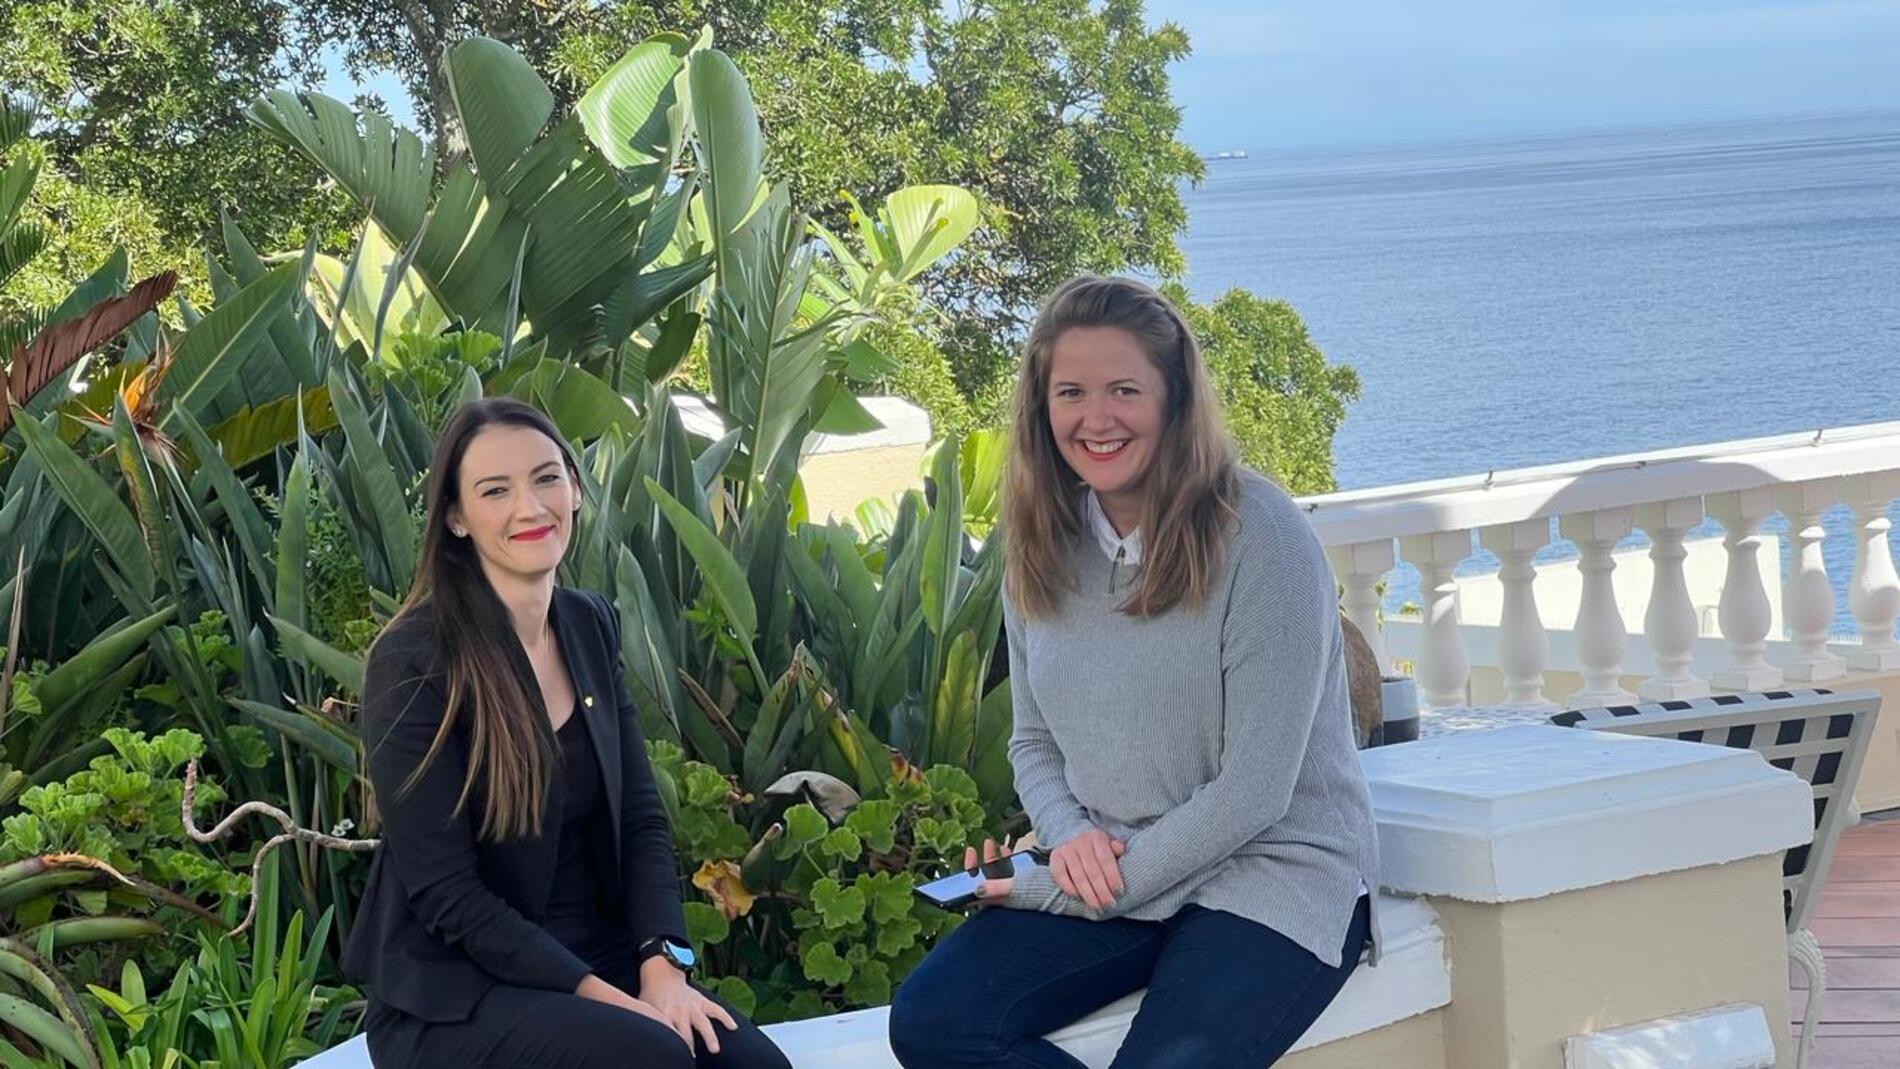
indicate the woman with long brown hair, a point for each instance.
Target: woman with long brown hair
{"x":1182,"y":742}
{"x":524,"y":907}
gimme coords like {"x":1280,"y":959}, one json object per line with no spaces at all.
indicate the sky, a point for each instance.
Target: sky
{"x":1268,"y":74}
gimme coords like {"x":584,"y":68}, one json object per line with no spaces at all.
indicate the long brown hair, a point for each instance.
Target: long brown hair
{"x":490,"y":682}
{"x":1191,"y":485}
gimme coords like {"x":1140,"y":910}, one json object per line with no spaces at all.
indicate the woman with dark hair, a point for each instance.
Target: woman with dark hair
{"x":1182,"y":739}
{"x":524,"y":907}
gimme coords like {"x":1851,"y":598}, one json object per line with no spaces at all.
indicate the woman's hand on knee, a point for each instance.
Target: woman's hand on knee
{"x":1085,"y":867}
{"x":597,"y":990}
{"x":687,"y":1011}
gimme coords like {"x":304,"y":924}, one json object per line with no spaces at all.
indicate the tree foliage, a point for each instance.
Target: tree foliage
{"x":1283,"y":401}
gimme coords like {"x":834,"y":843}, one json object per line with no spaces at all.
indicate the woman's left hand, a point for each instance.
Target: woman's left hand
{"x":685,"y":1007}
{"x":992,"y":890}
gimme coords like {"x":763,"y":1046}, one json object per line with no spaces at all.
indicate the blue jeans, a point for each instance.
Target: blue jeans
{"x":1222,"y":990}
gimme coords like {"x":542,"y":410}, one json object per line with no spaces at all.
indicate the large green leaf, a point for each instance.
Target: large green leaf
{"x":468,"y":251}
{"x":641,"y":297}
{"x":623,"y":111}
{"x":943,"y":544}
{"x":45,"y":1029}
{"x":88,"y":494}
{"x":411,"y":307}
{"x":255,"y":433}
{"x":732,"y":148}
{"x":293,"y":544}
{"x":240,"y":510}
{"x":16,"y":186}
{"x":723,"y":576}
{"x":287,"y":333}
{"x":651,"y":661}
{"x":953,"y":712}
{"x":502,"y":102}
{"x":83,"y":670}
{"x":320,"y":737}
{"x":214,"y":350}
{"x":313,"y":651}
{"x":765,"y":366}
{"x":584,"y":229}
{"x":580,"y":404}
{"x":379,"y":492}
{"x":383,"y":166}
{"x":925,"y":223}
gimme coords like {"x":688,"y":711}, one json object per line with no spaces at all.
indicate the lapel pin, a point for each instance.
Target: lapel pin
{"x":588,"y":701}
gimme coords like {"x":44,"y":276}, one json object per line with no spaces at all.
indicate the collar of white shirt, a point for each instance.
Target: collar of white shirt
{"x":1112,"y":544}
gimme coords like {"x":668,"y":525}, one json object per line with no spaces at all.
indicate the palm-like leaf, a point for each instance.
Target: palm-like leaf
{"x":214,"y":349}
{"x":34,"y":367}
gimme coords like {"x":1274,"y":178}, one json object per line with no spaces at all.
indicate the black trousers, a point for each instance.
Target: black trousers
{"x":528,"y":1028}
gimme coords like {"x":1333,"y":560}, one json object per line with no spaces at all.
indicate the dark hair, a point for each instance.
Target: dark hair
{"x":490,"y":682}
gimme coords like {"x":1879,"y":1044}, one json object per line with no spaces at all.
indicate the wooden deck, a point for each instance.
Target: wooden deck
{"x":1858,"y":923}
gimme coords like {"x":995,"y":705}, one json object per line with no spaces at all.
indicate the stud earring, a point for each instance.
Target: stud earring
{"x":459,"y":532}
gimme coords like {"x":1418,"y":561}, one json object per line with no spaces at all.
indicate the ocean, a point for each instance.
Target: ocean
{"x":1530,"y":300}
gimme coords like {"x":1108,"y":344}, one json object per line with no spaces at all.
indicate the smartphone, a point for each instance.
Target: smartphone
{"x":958,"y":890}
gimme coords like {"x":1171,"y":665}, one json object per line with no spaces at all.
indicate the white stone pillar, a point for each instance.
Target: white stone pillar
{"x":1807,"y":605}
{"x":1551,"y":904}
{"x":1359,"y":568}
{"x":1670,"y":625}
{"x":1523,"y":648}
{"x":1746,"y":612}
{"x":1600,"y":634}
{"x":1874,"y":592}
{"x":1444,"y":669}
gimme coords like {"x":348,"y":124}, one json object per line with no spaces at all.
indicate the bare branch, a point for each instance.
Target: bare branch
{"x":291,"y":833}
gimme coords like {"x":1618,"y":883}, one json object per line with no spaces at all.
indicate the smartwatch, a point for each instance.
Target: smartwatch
{"x":678,"y":954}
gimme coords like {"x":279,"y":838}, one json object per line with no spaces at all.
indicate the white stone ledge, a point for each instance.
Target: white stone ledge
{"x":1527,"y":810}
{"x":1412,"y":978}
{"x":1726,"y":1037}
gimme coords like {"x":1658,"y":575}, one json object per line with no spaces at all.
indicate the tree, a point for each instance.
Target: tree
{"x":1056,"y":113}
{"x":141,"y":103}
{"x":1282,"y":400}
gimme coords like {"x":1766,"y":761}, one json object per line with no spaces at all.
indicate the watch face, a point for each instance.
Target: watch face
{"x":682,"y":954}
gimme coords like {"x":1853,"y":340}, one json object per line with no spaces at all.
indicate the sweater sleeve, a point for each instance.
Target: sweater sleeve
{"x":1040,"y":780}
{"x":1278,"y":641}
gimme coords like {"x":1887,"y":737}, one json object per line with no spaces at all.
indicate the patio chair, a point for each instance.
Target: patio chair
{"x":1816,"y":734}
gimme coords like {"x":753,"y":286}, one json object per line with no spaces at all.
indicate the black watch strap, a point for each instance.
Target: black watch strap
{"x":663,"y":946}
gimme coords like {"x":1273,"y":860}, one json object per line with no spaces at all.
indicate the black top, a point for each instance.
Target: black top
{"x":578,"y":913}
{"x":446,"y":915}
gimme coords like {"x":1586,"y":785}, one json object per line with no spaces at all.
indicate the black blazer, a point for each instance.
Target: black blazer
{"x":446,"y":916}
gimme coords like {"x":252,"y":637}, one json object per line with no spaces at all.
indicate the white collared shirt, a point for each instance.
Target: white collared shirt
{"x":1124,"y":550}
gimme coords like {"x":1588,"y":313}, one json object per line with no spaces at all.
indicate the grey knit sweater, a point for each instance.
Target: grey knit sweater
{"x":1215,"y":740}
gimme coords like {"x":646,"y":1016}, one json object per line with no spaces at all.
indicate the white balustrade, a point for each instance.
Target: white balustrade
{"x":1523,"y":648}
{"x":1601,"y":636}
{"x":1808,"y":598}
{"x":1873,"y":594}
{"x":1596,"y":503}
{"x":1360,"y":568}
{"x":1746,"y":613}
{"x":1444,"y":669}
{"x":1670,"y":624}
